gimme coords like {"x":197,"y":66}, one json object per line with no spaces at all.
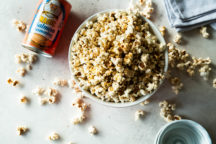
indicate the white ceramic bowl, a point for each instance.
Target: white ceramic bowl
{"x":112,"y":104}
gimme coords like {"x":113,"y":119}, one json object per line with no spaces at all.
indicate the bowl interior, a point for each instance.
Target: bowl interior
{"x":112,"y":104}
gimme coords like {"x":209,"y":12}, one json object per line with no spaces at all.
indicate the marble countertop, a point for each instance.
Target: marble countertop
{"x":197,"y":101}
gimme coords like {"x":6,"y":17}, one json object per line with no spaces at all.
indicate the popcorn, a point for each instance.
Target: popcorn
{"x":204,"y":71}
{"x":138,"y":114}
{"x":214,"y":83}
{"x":145,"y":102}
{"x":167,"y":111}
{"x":82,"y":107}
{"x":60,"y":82}
{"x":92,"y":130}
{"x":176,"y":84}
{"x":144,"y":7}
{"x":20,"y":25}
{"x":178,"y":38}
{"x":21,"y":71}
{"x":25,"y":58}
{"x":38,"y":91}
{"x":24,"y":99}
{"x":54,"y":136}
{"x":13,"y":82}
{"x":21,"y":130}
{"x":162,"y":30}
{"x":204,"y":32}
{"x":107,"y":71}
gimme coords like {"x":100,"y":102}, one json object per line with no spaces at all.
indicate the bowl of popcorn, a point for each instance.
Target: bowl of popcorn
{"x":118,"y":58}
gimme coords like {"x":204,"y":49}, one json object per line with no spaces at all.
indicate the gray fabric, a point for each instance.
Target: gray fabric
{"x":189,"y":14}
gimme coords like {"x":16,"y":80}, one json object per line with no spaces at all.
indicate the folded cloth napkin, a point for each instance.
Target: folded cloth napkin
{"x":189,"y":14}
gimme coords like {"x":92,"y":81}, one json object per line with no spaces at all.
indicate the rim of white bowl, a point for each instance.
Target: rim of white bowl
{"x":194,"y":124}
{"x":113,"y":104}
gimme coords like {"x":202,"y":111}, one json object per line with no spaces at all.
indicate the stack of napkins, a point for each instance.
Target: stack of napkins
{"x":185,"y":15}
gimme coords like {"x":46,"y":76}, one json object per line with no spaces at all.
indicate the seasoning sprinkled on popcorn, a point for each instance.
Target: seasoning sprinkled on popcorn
{"x":117,"y":58}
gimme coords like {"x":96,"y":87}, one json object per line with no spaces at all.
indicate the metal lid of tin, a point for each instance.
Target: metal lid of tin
{"x":183,"y":132}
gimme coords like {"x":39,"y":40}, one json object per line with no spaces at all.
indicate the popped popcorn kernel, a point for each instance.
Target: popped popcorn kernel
{"x":176,"y":84}
{"x":12,"y":82}
{"x":38,"y":91}
{"x":60,"y":82}
{"x":24,"y":99}
{"x":21,"y":130}
{"x":167,"y":111}
{"x":214,"y":83}
{"x":25,"y":58}
{"x":54,"y":136}
{"x":21,"y":71}
{"x":178,"y":38}
{"x":162,"y":30}
{"x":138,"y":114}
{"x":20,"y":25}
{"x":92,"y":130}
{"x":203,"y":31}
{"x":145,"y":102}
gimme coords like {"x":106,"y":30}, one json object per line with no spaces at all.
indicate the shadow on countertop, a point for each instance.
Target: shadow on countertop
{"x":71,"y":26}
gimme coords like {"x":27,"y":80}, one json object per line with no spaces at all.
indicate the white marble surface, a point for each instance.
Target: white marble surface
{"x":115,"y":125}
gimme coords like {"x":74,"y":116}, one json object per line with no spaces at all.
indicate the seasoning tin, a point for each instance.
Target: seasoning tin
{"x":46,"y":27}
{"x":183,"y":132}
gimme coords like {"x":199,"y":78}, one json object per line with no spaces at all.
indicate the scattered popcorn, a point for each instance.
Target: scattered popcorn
{"x":60,"y":82}
{"x":178,"y":38}
{"x":38,"y":91}
{"x":21,"y":71}
{"x":43,"y":101}
{"x":80,"y":104}
{"x":204,"y":71}
{"x":21,"y":130}
{"x":182,"y":60}
{"x":167,"y":111}
{"x":71,"y":83}
{"x":54,"y":136}
{"x":29,"y":67}
{"x":52,"y":95}
{"x":145,"y":102}
{"x":162,"y":30}
{"x":20,"y":25}
{"x":176,"y":84}
{"x":138,"y":114}
{"x":125,"y":71}
{"x":82,"y":107}
{"x":25,"y":58}
{"x":92,"y":130}
{"x":79,"y":119}
{"x":204,"y":32}
{"x":214,"y":83}
{"x":144,"y":7}
{"x":24,"y":99}
{"x":13,"y":82}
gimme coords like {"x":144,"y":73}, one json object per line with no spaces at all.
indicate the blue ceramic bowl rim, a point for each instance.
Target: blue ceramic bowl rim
{"x":199,"y":127}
